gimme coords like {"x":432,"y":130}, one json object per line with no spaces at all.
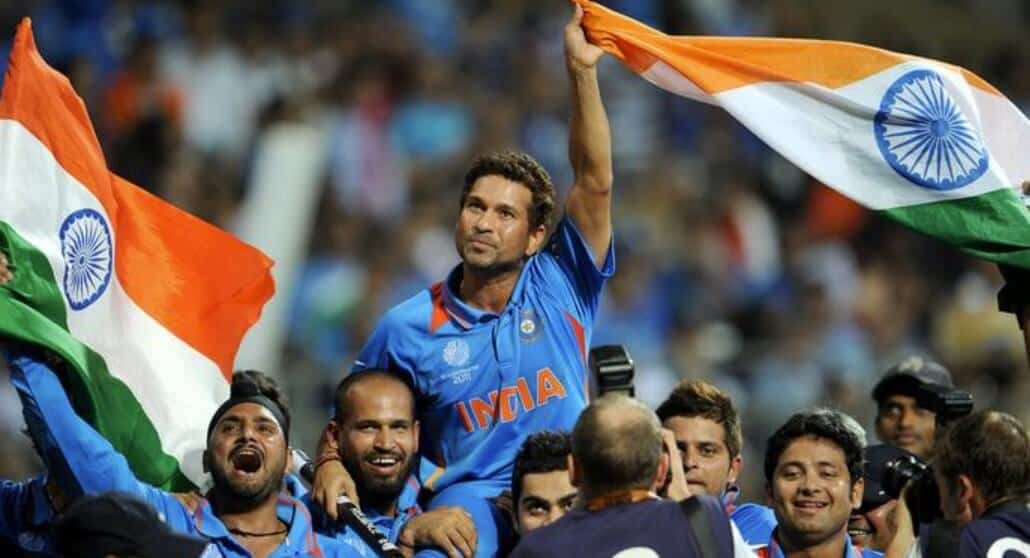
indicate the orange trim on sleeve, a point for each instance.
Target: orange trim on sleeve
{"x":439,"y":316}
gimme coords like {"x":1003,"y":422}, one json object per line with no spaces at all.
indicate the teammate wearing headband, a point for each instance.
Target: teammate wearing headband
{"x":244,"y":514}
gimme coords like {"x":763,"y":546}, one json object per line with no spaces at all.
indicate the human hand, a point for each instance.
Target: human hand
{"x":677,"y":489}
{"x":332,"y":481}
{"x":448,"y":528}
{"x":5,"y":271}
{"x":580,"y":55}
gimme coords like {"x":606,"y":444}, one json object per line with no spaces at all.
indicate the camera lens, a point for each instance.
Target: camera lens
{"x":899,"y":472}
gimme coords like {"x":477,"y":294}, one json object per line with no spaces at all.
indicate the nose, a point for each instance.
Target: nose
{"x":384,"y":439}
{"x":690,"y":459}
{"x":484,"y":222}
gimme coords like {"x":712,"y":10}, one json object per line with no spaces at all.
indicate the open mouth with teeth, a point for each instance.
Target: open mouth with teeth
{"x":859,"y":532}
{"x":246,"y":461}
{"x":809,"y":506}
{"x":383,"y":464}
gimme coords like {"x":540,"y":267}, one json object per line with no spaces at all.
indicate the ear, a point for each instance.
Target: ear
{"x":575,"y":475}
{"x":660,"y":475}
{"x":856,"y":494}
{"x":967,"y":494}
{"x":735,"y":464}
{"x":205,"y":460}
{"x":769,"y":500}
{"x":289,"y":458}
{"x":415,"y":427}
{"x":537,"y":238}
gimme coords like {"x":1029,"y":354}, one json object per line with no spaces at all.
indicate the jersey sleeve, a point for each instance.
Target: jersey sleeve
{"x":576,"y":267}
{"x":755,"y":523}
{"x":80,"y":460}
{"x":391,"y":348}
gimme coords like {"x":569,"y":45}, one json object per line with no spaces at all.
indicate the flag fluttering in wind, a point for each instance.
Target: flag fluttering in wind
{"x":146,"y":303}
{"x":929,"y":144}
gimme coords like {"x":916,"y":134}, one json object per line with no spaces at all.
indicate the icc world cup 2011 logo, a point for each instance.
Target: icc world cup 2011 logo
{"x":924,"y":135}
{"x":88,"y":257}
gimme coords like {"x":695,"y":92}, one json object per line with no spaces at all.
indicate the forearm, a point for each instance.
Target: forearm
{"x":590,"y":141}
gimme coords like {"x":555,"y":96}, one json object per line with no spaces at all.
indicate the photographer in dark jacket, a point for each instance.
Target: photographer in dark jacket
{"x":982,"y":472}
{"x":616,"y":461}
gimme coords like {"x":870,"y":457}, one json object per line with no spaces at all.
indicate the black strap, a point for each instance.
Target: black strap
{"x":701,"y":526}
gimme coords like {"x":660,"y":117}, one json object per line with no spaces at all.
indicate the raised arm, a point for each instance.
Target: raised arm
{"x":590,"y":143}
{"x":79,"y":459}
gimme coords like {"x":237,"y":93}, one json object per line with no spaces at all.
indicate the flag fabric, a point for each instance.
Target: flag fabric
{"x":929,"y":144}
{"x":145,"y":303}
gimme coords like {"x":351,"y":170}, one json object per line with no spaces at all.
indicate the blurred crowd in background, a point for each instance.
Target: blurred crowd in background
{"x":733,"y":265}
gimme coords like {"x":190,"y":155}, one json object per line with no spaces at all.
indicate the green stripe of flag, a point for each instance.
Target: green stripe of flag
{"x":32,"y":310}
{"x":994,"y":226}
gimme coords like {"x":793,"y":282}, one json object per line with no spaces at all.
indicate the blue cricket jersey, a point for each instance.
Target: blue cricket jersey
{"x":757,"y":526}
{"x":485,"y":381}
{"x":83,"y":462}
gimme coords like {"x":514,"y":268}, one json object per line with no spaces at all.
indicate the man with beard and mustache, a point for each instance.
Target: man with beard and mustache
{"x":375,"y":429}
{"x":244,"y":514}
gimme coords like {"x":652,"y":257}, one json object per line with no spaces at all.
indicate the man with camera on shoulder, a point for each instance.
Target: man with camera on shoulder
{"x":982,"y":479}
{"x":617,"y":461}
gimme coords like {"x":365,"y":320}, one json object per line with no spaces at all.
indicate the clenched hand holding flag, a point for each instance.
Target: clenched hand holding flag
{"x":929,"y":144}
{"x":146,"y":303}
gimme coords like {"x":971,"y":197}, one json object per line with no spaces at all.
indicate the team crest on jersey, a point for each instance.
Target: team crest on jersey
{"x":530,"y":327}
{"x":456,"y":352}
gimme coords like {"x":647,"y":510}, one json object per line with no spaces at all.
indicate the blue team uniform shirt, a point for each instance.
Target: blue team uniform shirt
{"x":83,"y":462}
{"x":486,"y":381}
{"x":25,"y":518}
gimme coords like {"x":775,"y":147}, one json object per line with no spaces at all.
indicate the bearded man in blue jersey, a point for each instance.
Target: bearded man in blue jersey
{"x":497,"y":350}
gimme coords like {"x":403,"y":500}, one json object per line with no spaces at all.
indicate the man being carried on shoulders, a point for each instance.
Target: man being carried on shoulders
{"x":498,"y":349}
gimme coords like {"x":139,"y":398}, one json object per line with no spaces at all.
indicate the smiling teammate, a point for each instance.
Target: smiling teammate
{"x":498,"y":349}
{"x":813,"y":473}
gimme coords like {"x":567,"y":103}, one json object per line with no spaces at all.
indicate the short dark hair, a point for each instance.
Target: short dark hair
{"x":351,"y":380}
{"x":989,"y":447}
{"x":269,"y":388}
{"x":521,"y":168}
{"x":827,"y":424}
{"x":695,"y":398}
{"x":542,"y":452}
{"x":617,"y":455}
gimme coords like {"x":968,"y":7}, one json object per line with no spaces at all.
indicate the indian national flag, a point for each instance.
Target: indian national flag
{"x":930,"y":144}
{"x":145,"y":302}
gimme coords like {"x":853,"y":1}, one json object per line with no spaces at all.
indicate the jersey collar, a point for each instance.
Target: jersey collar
{"x":467,"y":316}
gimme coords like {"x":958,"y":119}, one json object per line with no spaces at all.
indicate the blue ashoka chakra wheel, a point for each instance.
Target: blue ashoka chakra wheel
{"x":924,"y":136}
{"x":88,"y":257}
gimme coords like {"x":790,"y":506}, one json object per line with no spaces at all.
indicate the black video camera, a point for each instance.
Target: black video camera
{"x":948,"y":403}
{"x":922,"y":498}
{"x":613,"y":368}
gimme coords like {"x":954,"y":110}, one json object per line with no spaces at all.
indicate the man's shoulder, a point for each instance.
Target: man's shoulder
{"x":755,"y":522}
{"x":412,"y":315}
{"x":1004,"y":529}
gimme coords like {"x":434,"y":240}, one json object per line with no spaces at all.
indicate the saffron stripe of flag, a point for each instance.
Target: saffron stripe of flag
{"x":146,"y":303}
{"x":929,"y":144}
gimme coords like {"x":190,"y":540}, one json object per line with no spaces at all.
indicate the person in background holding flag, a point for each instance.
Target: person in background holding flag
{"x":244,"y":514}
{"x":498,"y":350}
